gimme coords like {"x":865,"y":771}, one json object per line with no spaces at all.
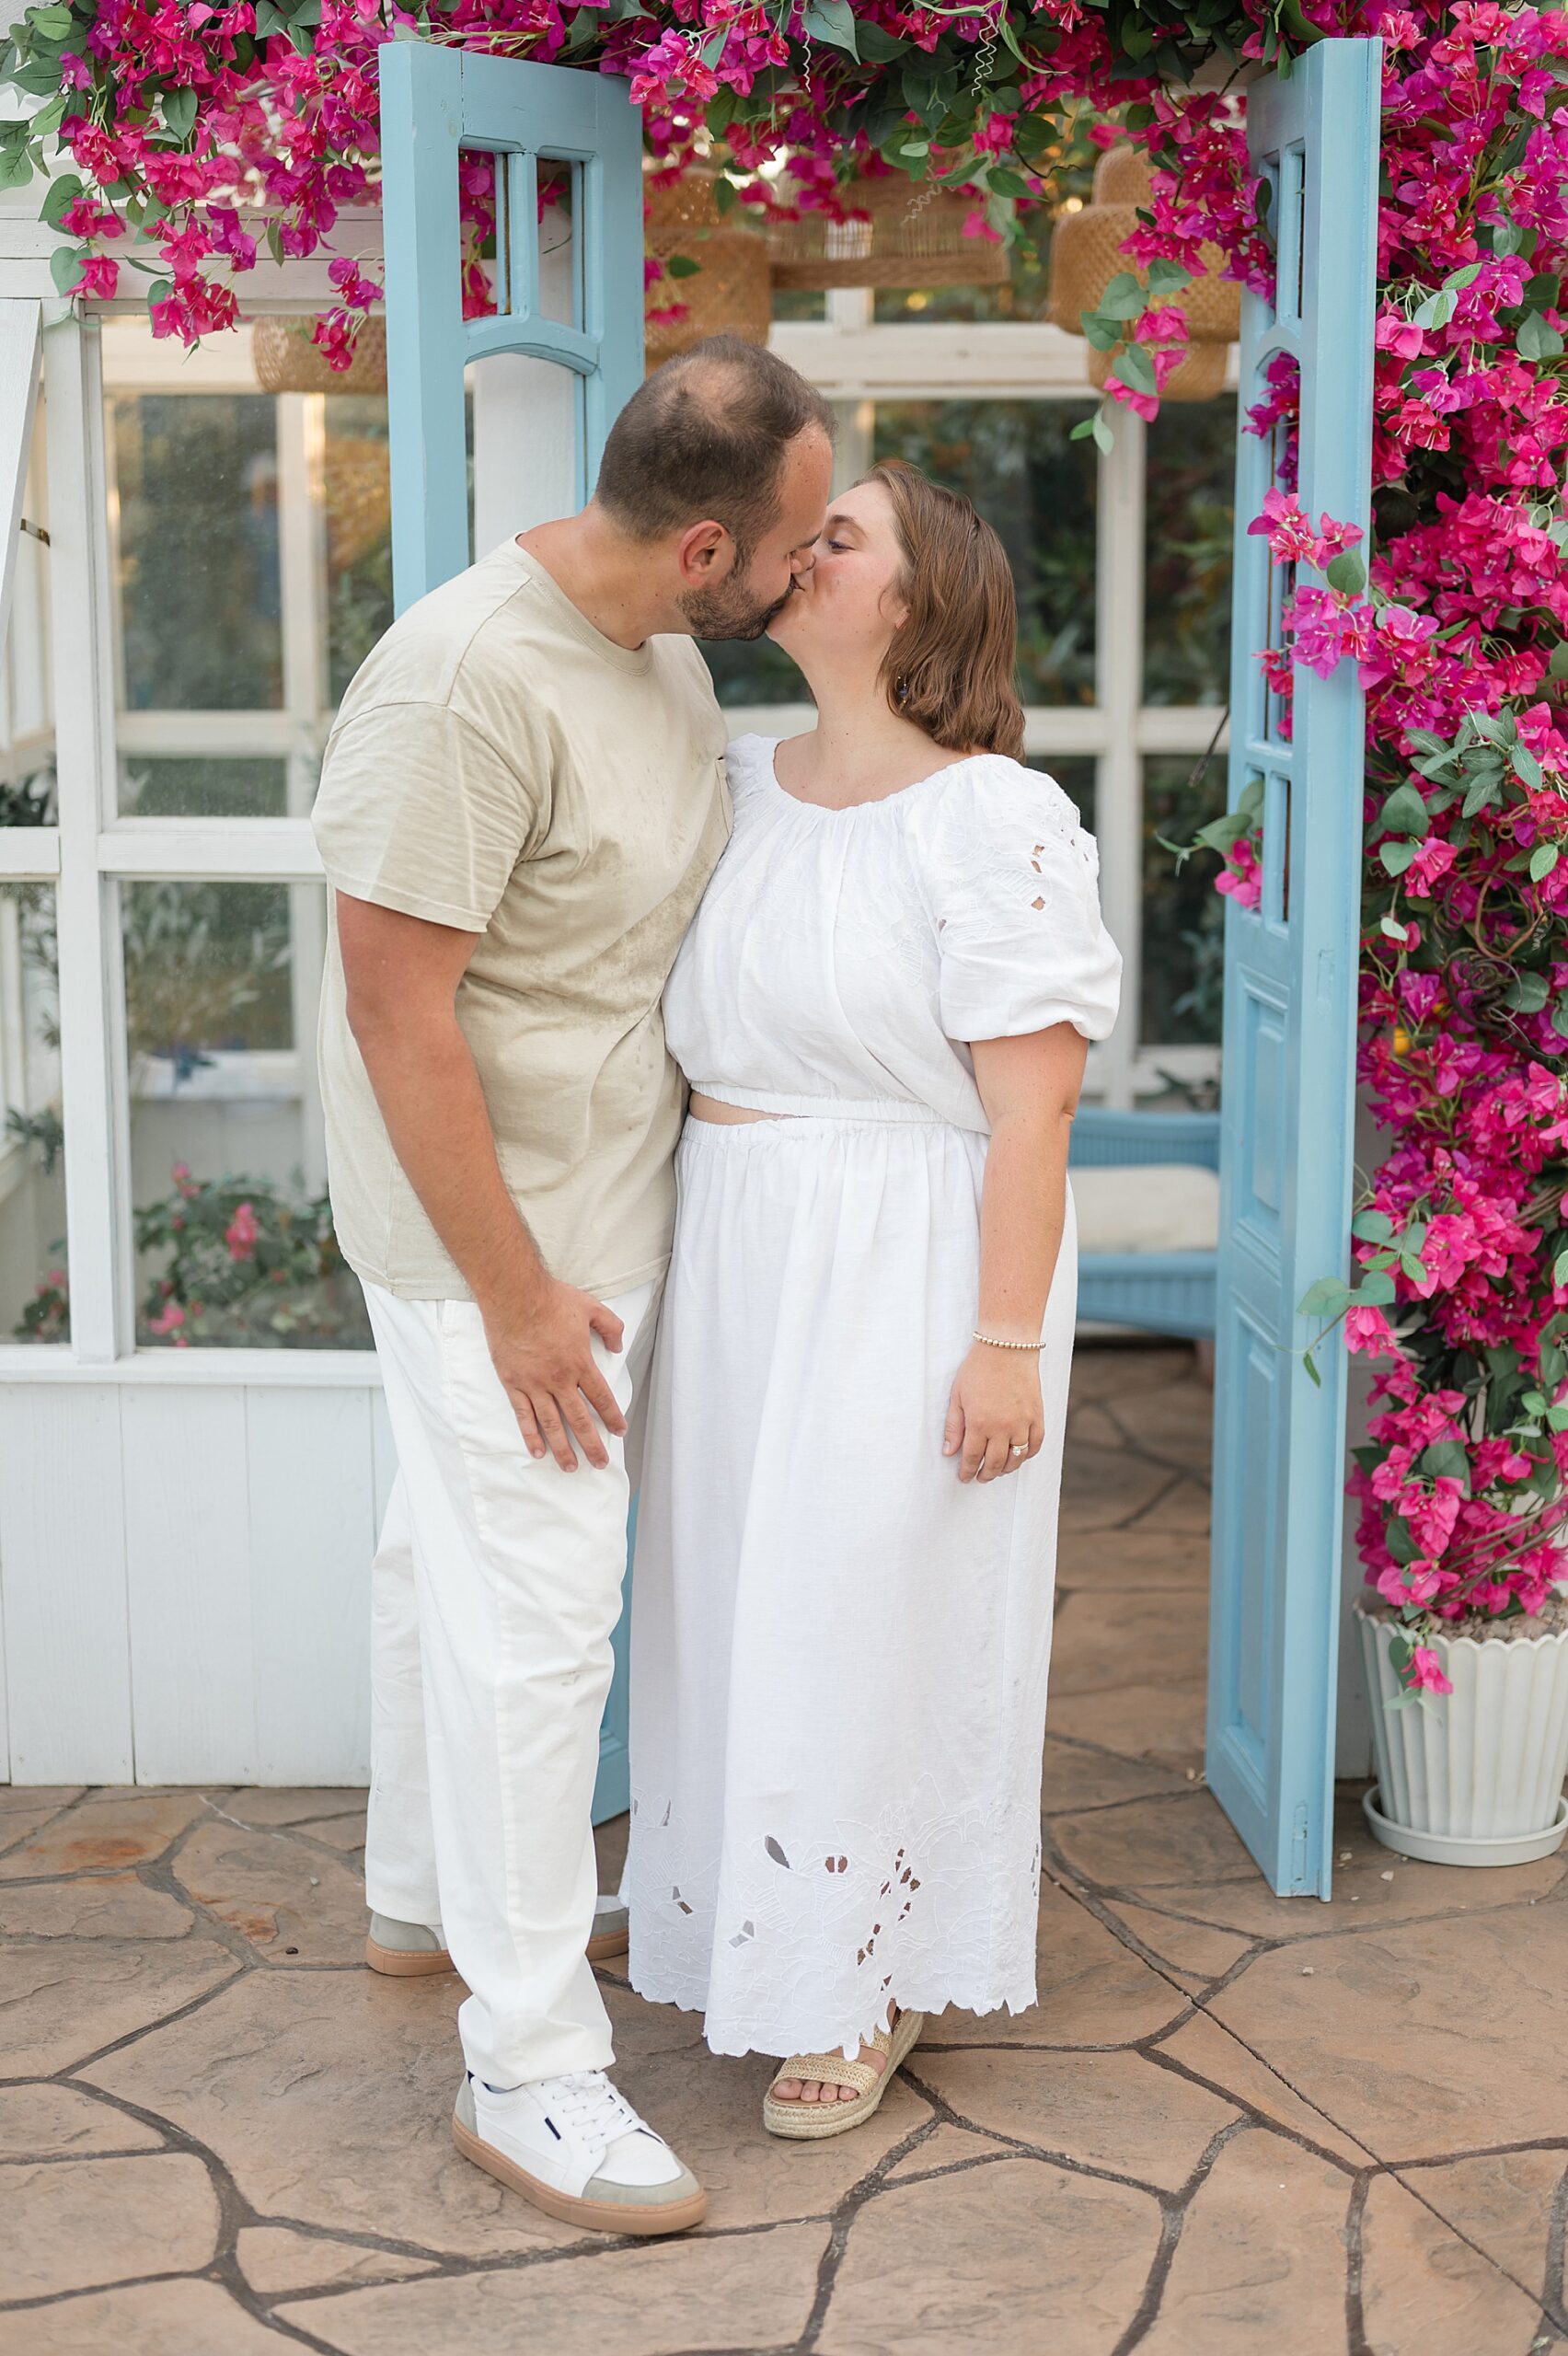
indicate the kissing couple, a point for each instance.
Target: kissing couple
{"x":697,"y":1120}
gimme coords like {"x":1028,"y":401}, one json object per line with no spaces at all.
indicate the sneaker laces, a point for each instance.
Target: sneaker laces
{"x":585,"y":2102}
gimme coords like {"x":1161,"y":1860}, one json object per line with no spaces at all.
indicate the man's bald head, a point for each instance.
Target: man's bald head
{"x":708,"y":437}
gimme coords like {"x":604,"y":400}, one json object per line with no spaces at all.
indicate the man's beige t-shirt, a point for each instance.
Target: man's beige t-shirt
{"x":498,"y":765}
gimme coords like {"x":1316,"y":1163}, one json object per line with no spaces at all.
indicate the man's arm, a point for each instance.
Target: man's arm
{"x":402,"y":976}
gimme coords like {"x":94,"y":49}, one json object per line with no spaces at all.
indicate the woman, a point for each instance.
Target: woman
{"x":848,"y":1528}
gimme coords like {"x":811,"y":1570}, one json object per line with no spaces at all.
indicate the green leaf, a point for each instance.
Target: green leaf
{"x":1135,"y":369}
{"x":681,"y":266}
{"x":1560,"y":1268}
{"x":1124,"y":298}
{"x":1446,"y":1459}
{"x":1537,"y":340}
{"x":1095,"y":428}
{"x":1534,"y":1403}
{"x":1328,"y":1298}
{"x":1401,"y":1544}
{"x":831,"y":21}
{"x":1527,"y":768}
{"x":1102,"y":333}
{"x":1404,"y":813}
{"x":1167,"y":277}
{"x":1372,"y":1227}
{"x":1557,"y":666}
{"x":1347,"y":574}
{"x":1438,"y":309}
{"x":66,"y":266}
{"x":1007,"y":182}
{"x":1310,"y":1364}
{"x":1376,"y":1289}
{"x":1543,"y":859}
{"x":878,"y":45}
{"x":54,"y":24}
{"x":1396,"y":857}
{"x":1527,"y":993}
{"x":179,"y":113}
{"x":58,"y":195}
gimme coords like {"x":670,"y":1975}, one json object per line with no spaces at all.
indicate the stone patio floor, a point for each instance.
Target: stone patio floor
{"x":1234,"y":2124}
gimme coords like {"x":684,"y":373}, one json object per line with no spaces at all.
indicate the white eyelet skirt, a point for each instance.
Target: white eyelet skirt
{"x":840,"y":1651}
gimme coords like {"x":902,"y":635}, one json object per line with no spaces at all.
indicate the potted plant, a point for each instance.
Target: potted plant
{"x":1463,"y":1626}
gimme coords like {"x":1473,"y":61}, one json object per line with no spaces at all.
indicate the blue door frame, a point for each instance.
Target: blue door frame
{"x":436,"y":100}
{"x":1288,"y":1093}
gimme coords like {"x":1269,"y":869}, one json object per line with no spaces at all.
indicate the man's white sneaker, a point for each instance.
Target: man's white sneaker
{"x":577,"y":2150}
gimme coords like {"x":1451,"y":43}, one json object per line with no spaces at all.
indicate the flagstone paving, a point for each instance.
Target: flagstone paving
{"x":1233,"y":2124}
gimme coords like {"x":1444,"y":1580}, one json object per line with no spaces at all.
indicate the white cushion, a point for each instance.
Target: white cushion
{"x":1146,"y":1206}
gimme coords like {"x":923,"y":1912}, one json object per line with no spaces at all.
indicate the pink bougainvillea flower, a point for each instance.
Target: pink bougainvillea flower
{"x":1426,"y":1671}
{"x":242,"y":1233}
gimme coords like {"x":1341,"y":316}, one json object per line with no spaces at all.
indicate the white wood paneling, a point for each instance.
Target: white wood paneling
{"x":188,"y":1570}
{"x":312,"y":1519}
{"x":62,"y":1587}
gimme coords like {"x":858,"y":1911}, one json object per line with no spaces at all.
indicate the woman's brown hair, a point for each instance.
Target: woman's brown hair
{"x":949,"y":668}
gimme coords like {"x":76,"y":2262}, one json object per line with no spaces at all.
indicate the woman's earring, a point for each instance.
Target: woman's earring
{"x":901,"y":690}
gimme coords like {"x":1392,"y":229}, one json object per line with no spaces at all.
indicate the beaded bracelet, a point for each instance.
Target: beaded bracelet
{"x":997,"y":1344}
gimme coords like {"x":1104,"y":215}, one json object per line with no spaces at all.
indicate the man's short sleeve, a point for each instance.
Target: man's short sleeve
{"x":419,"y":811}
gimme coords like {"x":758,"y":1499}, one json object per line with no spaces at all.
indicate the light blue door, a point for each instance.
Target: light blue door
{"x":1290,"y":1003}
{"x":436,"y":102}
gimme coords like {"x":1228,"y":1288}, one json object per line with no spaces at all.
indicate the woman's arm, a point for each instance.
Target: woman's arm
{"x":1030,"y":1089}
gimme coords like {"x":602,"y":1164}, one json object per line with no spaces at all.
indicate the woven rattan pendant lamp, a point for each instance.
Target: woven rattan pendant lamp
{"x":287,"y":362}
{"x":729,"y":292}
{"x":897,"y":233}
{"x":1085,"y":255}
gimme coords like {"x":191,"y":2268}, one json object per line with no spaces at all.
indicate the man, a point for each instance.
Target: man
{"x":521,"y":801}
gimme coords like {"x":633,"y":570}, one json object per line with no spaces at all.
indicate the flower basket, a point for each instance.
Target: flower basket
{"x":729,"y":293}
{"x":287,"y":362}
{"x":1473,"y":1777}
{"x":899,"y":233}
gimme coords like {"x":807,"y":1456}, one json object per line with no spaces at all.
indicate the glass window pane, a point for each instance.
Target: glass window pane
{"x":34,"y":1302}
{"x":1190,"y":503}
{"x":1019,"y":464}
{"x":196,"y":499}
{"x":356,"y":487}
{"x":233,"y":1230}
{"x":1183,"y":935}
{"x":27,"y":719}
{"x":157,"y":785}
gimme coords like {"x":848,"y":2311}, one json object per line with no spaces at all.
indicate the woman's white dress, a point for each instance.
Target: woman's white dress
{"x":838,"y":1649}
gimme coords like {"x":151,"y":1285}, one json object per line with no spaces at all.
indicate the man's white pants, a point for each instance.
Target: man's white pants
{"x":497,"y":1586}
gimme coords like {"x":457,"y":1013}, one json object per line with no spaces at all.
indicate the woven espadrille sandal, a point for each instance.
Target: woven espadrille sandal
{"x":808,"y":2123}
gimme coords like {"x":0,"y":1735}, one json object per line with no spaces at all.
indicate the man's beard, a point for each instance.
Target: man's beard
{"x":730,"y":611}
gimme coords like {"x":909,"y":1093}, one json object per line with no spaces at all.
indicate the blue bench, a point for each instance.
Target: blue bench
{"x":1158,"y":1292}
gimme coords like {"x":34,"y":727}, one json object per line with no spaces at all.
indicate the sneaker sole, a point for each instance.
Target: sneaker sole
{"x":404,"y":1963}
{"x":598,"y":2216}
{"x":399,"y":1963}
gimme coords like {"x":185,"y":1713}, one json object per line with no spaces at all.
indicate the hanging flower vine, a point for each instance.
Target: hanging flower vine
{"x":199,"y":135}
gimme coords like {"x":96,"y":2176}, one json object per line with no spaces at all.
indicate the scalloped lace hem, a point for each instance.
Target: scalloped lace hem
{"x":770,"y":2037}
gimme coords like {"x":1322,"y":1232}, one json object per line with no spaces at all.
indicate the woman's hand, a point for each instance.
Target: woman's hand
{"x":995,"y":1408}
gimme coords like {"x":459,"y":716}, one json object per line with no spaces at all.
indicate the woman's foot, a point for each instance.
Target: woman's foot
{"x":814,"y":2090}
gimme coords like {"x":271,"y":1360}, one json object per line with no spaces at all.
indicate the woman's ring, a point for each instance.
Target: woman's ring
{"x":1019,"y":1448}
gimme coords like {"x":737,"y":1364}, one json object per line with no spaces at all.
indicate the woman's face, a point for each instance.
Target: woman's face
{"x":846,"y":606}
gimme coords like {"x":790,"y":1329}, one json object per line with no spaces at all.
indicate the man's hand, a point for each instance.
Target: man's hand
{"x":544,"y":1355}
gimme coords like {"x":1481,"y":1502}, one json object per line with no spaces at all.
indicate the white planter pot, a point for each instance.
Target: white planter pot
{"x":1473,"y":1777}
